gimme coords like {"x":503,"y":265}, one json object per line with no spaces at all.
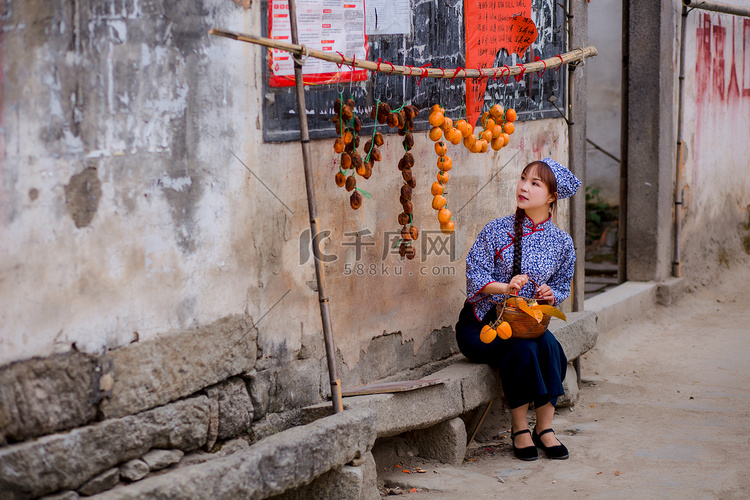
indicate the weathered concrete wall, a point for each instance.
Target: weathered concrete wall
{"x":651,"y":140}
{"x":124,"y":212}
{"x":716,"y":175}
{"x":716,"y":183}
{"x":603,"y":96}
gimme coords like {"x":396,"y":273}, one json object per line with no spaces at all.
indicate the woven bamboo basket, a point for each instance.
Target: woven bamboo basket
{"x":522,"y":325}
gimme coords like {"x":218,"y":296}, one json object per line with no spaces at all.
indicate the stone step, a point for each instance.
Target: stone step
{"x":280,"y":463}
{"x":595,"y":268}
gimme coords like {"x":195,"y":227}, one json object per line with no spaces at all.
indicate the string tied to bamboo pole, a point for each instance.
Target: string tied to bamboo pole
{"x":562,"y":61}
{"x":506,"y":77}
{"x":423,"y":71}
{"x":302,"y":60}
{"x":540,"y":73}
{"x":458,"y":69}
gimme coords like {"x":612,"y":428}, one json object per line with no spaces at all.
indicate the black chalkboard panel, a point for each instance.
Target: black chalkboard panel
{"x":437,"y":37}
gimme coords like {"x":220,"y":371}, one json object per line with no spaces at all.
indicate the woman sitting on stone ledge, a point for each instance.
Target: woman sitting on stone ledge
{"x":509,"y":253}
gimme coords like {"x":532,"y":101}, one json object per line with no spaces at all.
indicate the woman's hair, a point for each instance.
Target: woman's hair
{"x":549,"y":180}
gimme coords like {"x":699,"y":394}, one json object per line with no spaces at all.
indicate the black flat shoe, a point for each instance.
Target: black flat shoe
{"x":557,"y":452}
{"x":529,"y":453}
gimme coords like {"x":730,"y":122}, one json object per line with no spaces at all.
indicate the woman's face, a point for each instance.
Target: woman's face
{"x":531,"y":191}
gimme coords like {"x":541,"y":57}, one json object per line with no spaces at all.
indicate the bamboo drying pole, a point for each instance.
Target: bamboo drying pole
{"x":320,"y":273}
{"x":724,"y":8}
{"x":394,"y":69}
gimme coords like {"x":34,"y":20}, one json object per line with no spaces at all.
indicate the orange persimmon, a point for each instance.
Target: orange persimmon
{"x":439,"y":202}
{"x":436,"y":134}
{"x":444,"y":163}
{"x":444,"y":215}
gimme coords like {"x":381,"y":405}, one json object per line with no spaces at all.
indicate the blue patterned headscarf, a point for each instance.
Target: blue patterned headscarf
{"x":567,"y":183}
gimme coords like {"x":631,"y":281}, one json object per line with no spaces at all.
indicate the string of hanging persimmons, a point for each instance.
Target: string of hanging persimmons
{"x":497,"y":125}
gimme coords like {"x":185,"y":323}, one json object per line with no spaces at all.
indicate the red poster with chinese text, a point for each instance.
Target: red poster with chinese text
{"x":336,"y":26}
{"x":492,"y":25}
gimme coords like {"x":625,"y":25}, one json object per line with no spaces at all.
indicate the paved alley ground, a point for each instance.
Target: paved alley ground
{"x":664,"y":412}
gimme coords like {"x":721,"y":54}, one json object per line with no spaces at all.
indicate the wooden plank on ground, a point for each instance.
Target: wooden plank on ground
{"x":388,"y":387}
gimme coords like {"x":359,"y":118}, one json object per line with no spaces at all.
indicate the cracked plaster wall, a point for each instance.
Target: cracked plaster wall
{"x":124,"y":212}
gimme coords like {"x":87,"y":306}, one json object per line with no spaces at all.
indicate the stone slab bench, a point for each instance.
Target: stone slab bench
{"x":467,"y":385}
{"x":431,"y":414}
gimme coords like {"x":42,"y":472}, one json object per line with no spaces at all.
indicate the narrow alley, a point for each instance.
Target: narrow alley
{"x":663,"y":413}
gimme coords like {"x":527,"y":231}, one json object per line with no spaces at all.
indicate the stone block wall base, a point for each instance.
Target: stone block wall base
{"x":103,"y":482}
{"x":445,"y":441}
{"x":134,"y":470}
{"x":64,"y":495}
{"x":44,"y":395}
{"x":280,"y":463}
{"x":177,"y":364}
{"x":350,"y":482}
{"x":69,"y":460}
{"x":161,"y":459}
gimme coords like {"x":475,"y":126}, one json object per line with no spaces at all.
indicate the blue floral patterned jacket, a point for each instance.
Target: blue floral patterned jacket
{"x":548,"y":257}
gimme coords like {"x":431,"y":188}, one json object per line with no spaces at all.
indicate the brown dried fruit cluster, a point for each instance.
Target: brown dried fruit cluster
{"x":348,"y":126}
{"x":409,"y":232}
{"x":372,"y":153}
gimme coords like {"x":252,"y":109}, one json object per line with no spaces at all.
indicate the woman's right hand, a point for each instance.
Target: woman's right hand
{"x":517,"y":282}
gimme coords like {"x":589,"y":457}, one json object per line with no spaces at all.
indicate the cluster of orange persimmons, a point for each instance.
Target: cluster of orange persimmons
{"x":497,"y":127}
{"x":439,"y":201}
{"x":501,"y":328}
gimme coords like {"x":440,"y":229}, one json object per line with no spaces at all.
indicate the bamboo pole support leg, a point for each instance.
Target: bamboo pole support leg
{"x":577,"y":367}
{"x":479,"y":424}
{"x":338,"y":405}
{"x":313,"y":213}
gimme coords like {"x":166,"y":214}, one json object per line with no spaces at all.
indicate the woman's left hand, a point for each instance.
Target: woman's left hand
{"x":545,"y":293}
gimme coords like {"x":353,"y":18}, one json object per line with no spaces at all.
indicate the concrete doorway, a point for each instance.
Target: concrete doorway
{"x":603,"y":126}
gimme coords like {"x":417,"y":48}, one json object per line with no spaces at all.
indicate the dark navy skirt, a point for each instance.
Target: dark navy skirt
{"x":531,"y":370}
